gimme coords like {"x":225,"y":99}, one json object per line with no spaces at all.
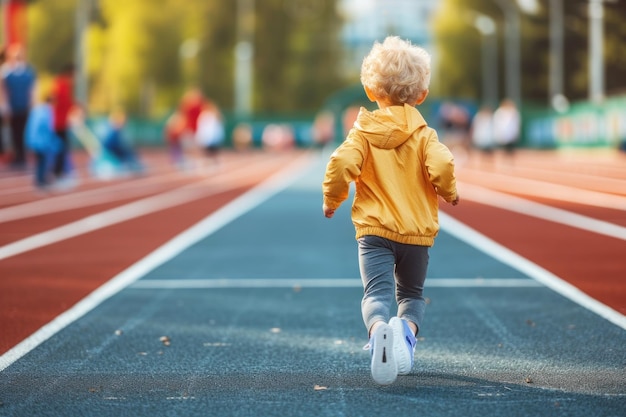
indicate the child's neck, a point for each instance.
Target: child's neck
{"x":382,"y":104}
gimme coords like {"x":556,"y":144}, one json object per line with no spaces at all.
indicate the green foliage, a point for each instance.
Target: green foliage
{"x":459,"y":49}
{"x":615,"y":31}
{"x":143,"y":54}
{"x":136,"y":57}
{"x":297,"y":55}
{"x":51,"y":44}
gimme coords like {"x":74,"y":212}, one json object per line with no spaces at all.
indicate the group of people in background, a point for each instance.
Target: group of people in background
{"x":487,"y":131}
{"x":195,"y":132}
{"x":16,"y":92}
{"x":499,"y":129}
{"x":47,"y":133}
{"x":38,"y":119}
{"x":34,"y":120}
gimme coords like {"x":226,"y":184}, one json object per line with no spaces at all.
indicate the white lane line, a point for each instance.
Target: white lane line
{"x":541,"y":211}
{"x":107,"y":194}
{"x":473,"y":238}
{"x":550,"y":190}
{"x":209,"y":225}
{"x":82,"y":177}
{"x":128,"y":211}
{"x":553,"y":183}
{"x":598,"y":166}
{"x":183,"y":284}
{"x":105,"y":219}
{"x":55,"y":204}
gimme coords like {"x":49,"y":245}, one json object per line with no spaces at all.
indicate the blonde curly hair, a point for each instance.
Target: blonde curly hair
{"x":396,"y":71}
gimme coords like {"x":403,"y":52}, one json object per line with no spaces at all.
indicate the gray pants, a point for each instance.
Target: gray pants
{"x":388,"y":267}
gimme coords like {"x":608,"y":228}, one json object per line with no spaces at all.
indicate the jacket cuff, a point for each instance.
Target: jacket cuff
{"x":331,"y":204}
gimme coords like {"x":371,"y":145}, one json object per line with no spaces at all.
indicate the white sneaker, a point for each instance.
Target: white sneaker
{"x":384,"y":368}
{"x":404,"y":345}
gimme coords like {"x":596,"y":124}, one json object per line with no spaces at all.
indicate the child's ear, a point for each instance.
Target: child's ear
{"x":421,"y":97}
{"x":369,"y":94}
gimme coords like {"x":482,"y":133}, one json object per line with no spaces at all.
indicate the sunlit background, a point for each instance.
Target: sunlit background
{"x":562,"y":61}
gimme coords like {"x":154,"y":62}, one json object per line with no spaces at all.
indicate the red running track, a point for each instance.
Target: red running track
{"x":40,"y":279}
{"x":565,"y":211}
{"x":39,"y":283}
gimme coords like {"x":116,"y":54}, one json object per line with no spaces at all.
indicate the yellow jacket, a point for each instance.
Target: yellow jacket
{"x":399,"y":167}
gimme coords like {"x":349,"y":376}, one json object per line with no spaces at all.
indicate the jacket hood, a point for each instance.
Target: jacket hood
{"x":389,"y":127}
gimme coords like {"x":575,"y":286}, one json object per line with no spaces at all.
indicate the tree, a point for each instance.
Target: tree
{"x":143,"y":54}
{"x":459,"y":49}
{"x":51,"y":44}
{"x":297,"y":54}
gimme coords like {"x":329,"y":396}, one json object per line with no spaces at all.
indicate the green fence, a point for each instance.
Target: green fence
{"x":583,"y":125}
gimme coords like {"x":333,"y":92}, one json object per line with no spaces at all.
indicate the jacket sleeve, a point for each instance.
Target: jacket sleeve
{"x":343,"y":167}
{"x":439,"y":163}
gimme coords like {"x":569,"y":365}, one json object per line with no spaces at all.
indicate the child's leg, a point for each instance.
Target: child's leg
{"x":176,"y":153}
{"x":376,"y":261}
{"x":40,"y":169}
{"x":411,"y":267}
{"x":60,"y":158}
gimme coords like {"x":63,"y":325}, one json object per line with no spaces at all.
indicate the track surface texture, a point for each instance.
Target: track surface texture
{"x":223,"y":291}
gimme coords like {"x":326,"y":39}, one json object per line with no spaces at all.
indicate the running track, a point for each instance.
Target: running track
{"x":565,"y":211}
{"x":56,"y":249}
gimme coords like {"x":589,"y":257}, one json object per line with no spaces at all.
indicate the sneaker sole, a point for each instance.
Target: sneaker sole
{"x":384,"y":368}
{"x":401,"y":353}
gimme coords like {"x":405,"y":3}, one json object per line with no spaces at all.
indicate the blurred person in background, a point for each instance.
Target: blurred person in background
{"x":4,"y":110}
{"x":19,"y":80}
{"x":210,"y":130}
{"x":506,"y":127}
{"x":63,"y":103}
{"x":455,"y":125}
{"x":116,"y":144}
{"x":242,"y":137}
{"x":277,"y":137}
{"x":41,"y":138}
{"x":482,"y":132}
{"x":350,"y":115}
{"x":323,"y":130}
{"x":174,"y":133}
{"x":190,"y":107}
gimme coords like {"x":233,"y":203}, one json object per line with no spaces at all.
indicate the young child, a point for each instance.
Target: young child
{"x":114,"y":142}
{"x":399,"y":168}
{"x":174,"y":132}
{"x":41,"y":139}
{"x":210,"y":130}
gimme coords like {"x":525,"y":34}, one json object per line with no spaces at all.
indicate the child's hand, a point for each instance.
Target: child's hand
{"x":328,"y":212}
